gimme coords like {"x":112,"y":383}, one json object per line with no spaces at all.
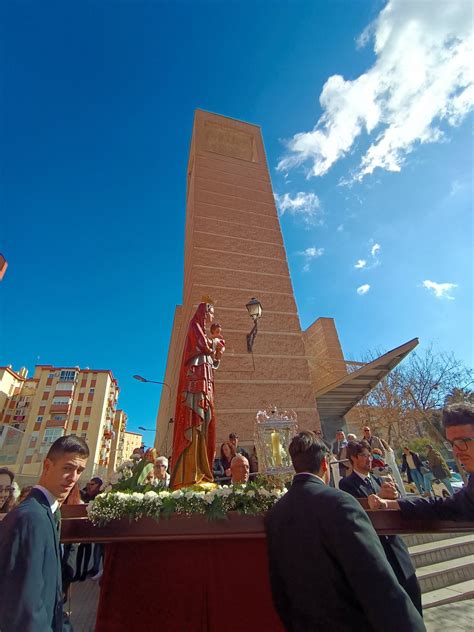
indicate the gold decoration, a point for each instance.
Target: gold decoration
{"x":207,"y":299}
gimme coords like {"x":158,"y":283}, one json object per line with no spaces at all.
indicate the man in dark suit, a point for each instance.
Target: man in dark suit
{"x":458,"y":421}
{"x":30,"y":555}
{"x":327,"y":567}
{"x":361,"y":484}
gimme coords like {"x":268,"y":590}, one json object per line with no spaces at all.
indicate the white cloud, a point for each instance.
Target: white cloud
{"x":374,"y":250}
{"x":340,"y":228}
{"x":309,"y":254}
{"x":421,"y":79}
{"x":313,"y":252}
{"x":441,"y":290}
{"x":305,"y":205}
{"x":363,"y":289}
{"x":455,"y":187}
{"x":374,"y":261}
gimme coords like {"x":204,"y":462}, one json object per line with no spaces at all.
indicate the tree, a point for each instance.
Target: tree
{"x":409,"y":400}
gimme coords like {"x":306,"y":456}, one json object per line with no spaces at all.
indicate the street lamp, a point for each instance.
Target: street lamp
{"x":140,"y":378}
{"x":254,"y":308}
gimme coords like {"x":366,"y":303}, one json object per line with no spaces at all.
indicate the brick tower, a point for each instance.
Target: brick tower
{"x":234,"y":251}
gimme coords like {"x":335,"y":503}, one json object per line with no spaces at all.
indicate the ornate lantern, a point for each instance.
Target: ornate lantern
{"x":274,"y":431}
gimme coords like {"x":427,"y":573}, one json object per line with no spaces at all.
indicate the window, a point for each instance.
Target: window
{"x":39,"y":419}
{"x":92,"y":391}
{"x":51,"y":434}
{"x":59,"y":417}
{"x":61,"y":401}
{"x":83,"y":435}
{"x":51,"y":375}
{"x":67,"y":376}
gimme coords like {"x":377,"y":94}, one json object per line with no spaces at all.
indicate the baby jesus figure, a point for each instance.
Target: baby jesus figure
{"x":218,"y":342}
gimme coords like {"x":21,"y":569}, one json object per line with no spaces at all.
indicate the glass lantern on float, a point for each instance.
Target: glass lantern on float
{"x":274,"y":431}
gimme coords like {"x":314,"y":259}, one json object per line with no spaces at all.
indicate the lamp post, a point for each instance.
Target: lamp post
{"x":140,"y":378}
{"x":254,"y":308}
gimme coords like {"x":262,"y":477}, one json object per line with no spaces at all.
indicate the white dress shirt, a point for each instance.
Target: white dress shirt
{"x":53,"y":502}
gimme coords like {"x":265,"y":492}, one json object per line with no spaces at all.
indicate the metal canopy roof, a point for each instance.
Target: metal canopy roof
{"x":336,"y":399}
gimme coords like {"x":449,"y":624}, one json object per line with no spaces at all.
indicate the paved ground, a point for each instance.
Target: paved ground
{"x":453,"y":617}
{"x":82,"y":604}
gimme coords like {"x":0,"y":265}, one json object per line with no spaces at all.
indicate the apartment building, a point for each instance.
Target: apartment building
{"x":131,"y":441}
{"x":35,"y":411}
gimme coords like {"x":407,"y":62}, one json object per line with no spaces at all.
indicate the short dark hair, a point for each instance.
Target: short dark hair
{"x":233,"y":435}
{"x":96,"y":479}
{"x":458,"y":415}
{"x":5,"y":470}
{"x":354,"y":448}
{"x":307,"y":452}
{"x":215,"y":326}
{"x":69,"y":444}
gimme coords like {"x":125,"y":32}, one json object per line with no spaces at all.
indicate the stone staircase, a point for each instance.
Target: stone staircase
{"x":444,"y":566}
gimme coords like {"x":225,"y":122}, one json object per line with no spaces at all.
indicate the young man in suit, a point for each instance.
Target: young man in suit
{"x":361,"y":484}
{"x":458,"y":421}
{"x":30,"y":555}
{"x":327,"y":567}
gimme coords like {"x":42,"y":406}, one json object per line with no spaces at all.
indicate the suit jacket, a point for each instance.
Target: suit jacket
{"x":393,"y":545}
{"x":458,"y":507}
{"x":30,"y":563}
{"x":327,"y":567}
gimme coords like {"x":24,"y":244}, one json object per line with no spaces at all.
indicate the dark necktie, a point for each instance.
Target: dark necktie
{"x":57,"y":520}
{"x":368,"y":482}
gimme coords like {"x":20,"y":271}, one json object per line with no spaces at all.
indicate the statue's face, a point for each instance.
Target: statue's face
{"x":210,"y":316}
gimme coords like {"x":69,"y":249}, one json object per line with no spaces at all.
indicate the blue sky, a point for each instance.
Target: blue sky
{"x":367,"y":125}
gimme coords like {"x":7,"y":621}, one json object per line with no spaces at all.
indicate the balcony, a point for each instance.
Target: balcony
{"x":59,"y":408}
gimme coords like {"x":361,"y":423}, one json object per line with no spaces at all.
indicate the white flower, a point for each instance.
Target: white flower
{"x":151,"y":495}
{"x":137,"y":496}
{"x":176,"y":494}
{"x":189,"y":495}
{"x":226,"y":491}
{"x":251,"y":493}
{"x":164,"y":494}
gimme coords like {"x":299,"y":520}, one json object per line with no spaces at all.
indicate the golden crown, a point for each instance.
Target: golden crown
{"x":208,"y":299}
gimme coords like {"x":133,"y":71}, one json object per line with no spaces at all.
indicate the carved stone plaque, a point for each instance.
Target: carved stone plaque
{"x":230,"y":142}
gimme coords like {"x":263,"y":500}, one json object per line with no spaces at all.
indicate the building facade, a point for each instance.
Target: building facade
{"x":131,"y":440}
{"x":54,"y":402}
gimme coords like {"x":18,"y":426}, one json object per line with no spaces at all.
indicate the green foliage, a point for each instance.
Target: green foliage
{"x":213,"y":502}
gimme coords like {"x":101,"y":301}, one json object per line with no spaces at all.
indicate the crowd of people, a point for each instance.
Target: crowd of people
{"x":306,"y":555}
{"x":420,"y":472}
{"x":362,"y":582}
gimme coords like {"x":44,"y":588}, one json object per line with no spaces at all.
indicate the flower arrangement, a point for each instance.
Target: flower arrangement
{"x":251,"y":499}
{"x":125,"y":470}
